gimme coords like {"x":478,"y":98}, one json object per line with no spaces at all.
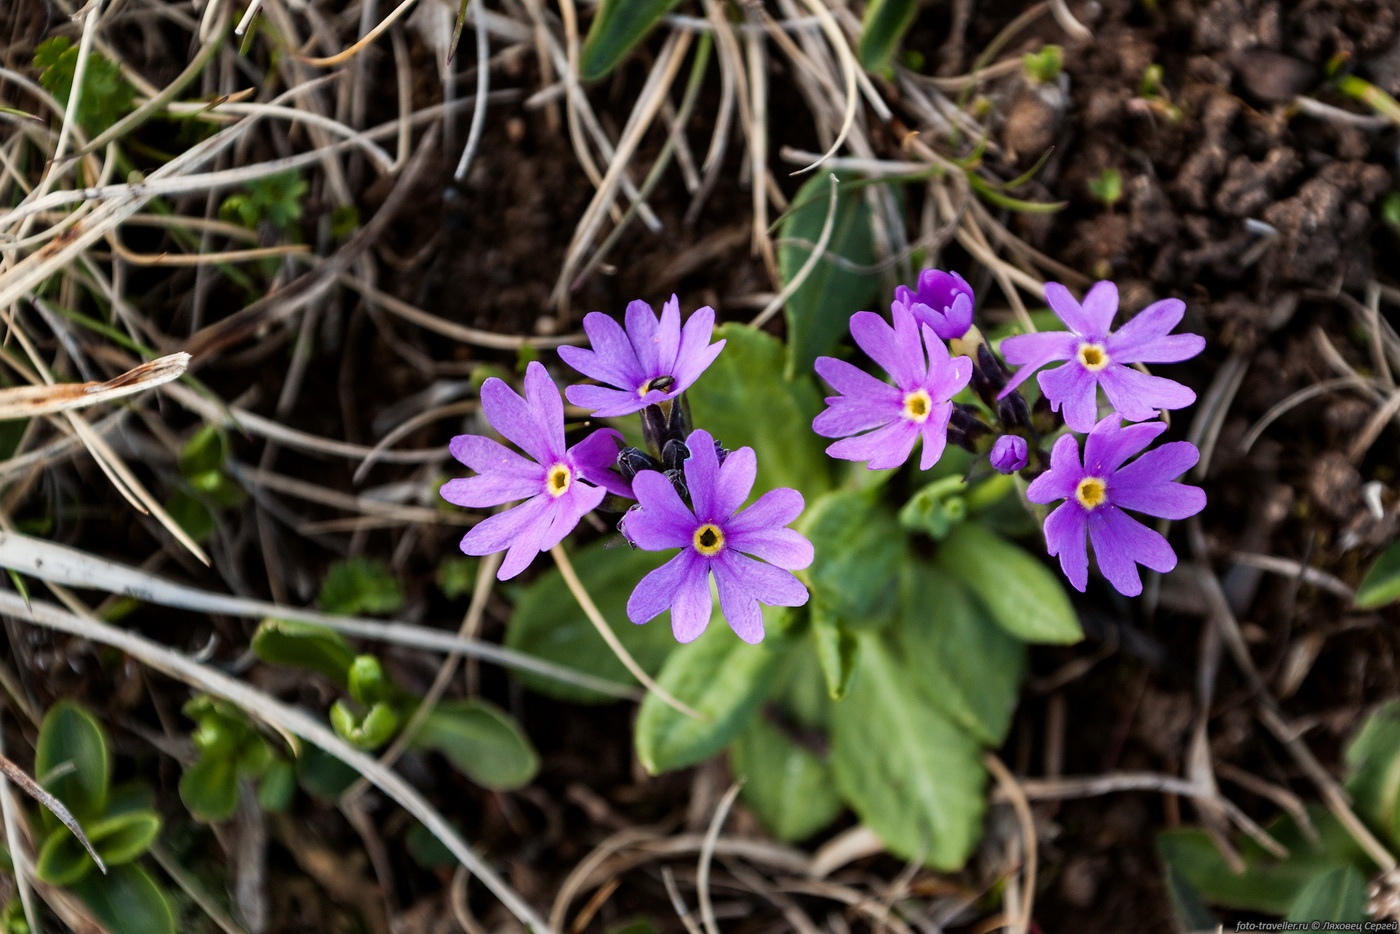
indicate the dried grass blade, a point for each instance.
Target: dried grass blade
{"x":26,"y":401}
{"x":56,"y":807}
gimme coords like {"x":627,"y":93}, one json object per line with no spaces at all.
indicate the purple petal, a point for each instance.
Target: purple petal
{"x":1032,"y":351}
{"x":784,"y":548}
{"x":593,"y":458}
{"x":735,"y":482}
{"x":1074,"y":389}
{"x":1138,"y":396}
{"x":1172,"y":348}
{"x":642,"y":331}
{"x":1100,"y":305}
{"x":1065,"y":536}
{"x":1108,"y":445}
{"x":738,"y":602}
{"x":956,"y":321}
{"x":603,"y":401}
{"x":578,"y":502}
{"x":773,"y":509}
{"x":1064,"y":304}
{"x":696,"y":353}
{"x":1145,"y":485}
{"x":521,"y":529}
{"x":845,"y":418}
{"x":934,"y":431}
{"x":768,"y":584}
{"x":884,"y":447}
{"x":509,"y":414}
{"x":681,"y":584}
{"x":668,"y":337}
{"x":1162,"y":464}
{"x":702,"y":476}
{"x":898,"y":353}
{"x":542,"y":396}
{"x":1060,"y":481}
{"x":1121,"y":543}
{"x":1151,"y":324}
{"x":850,"y":380}
{"x":947,"y":376}
{"x":660,"y":520}
{"x":612,"y":360}
{"x":487,"y":456}
{"x":491,"y":489}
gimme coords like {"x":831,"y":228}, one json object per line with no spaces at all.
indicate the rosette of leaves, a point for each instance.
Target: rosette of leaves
{"x":231,"y":751}
{"x":73,"y":762}
{"x":205,"y":486}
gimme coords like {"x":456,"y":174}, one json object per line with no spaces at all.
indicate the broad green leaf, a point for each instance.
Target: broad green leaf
{"x":837,"y":650}
{"x":787,"y":785}
{"x":819,"y":312}
{"x":1268,"y":883}
{"x":1189,"y":909}
{"x":1025,"y":598}
{"x":304,"y":645}
{"x":205,"y":452}
{"x":962,"y":662}
{"x":618,"y":27}
{"x":127,"y":901}
{"x":1381,"y":585}
{"x":117,"y":838}
{"x":482,"y":741}
{"x":885,"y":23}
{"x":548,"y":622}
{"x":800,"y":689}
{"x":1338,"y":895}
{"x":62,"y":859}
{"x":913,"y":776}
{"x":209,"y":787}
{"x":360,"y":585}
{"x":427,"y":850}
{"x":1373,"y":766}
{"x":744,"y":400}
{"x":322,"y":774}
{"x":71,"y":761}
{"x":278,"y":787}
{"x":719,"y":676}
{"x":859,"y":550}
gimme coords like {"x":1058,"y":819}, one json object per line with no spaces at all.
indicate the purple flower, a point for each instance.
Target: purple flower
{"x":1010,"y":453}
{"x":1100,"y":358}
{"x":1096,"y":494}
{"x":717,"y":539}
{"x":651,"y":361}
{"x":917,"y":405}
{"x":553,"y":486}
{"x":943,"y":301}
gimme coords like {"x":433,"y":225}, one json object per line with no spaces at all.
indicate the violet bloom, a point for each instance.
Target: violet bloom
{"x":553,"y":485}
{"x":1100,"y":358}
{"x":943,"y":301}
{"x":717,"y":539}
{"x":1096,"y":494}
{"x":918,"y":405}
{"x":650,"y":362}
{"x":1010,"y":453}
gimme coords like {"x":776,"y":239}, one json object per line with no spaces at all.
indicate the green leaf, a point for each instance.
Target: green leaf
{"x":885,"y":23}
{"x":914,"y":777}
{"x":127,"y":901}
{"x":322,"y":774}
{"x":1338,"y":895}
{"x":744,"y":400}
{"x":205,"y":452}
{"x":618,"y":27}
{"x":1189,"y":909}
{"x":799,"y":690}
{"x":837,"y":650}
{"x":1373,"y":766}
{"x":71,"y":761}
{"x":1268,"y":884}
{"x":278,"y":787}
{"x":482,"y":741}
{"x":427,"y":850}
{"x":456,"y":576}
{"x":819,"y":312}
{"x":367,"y":682}
{"x":962,"y":663}
{"x":788,"y":786}
{"x":106,"y":97}
{"x":191,"y":514}
{"x":720,"y":677}
{"x":1381,"y":585}
{"x":548,"y":622}
{"x":936,"y":508}
{"x":209,"y":787}
{"x":1025,"y":598}
{"x":859,"y":549}
{"x":360,"y":585}
{"x":62,"y":859}
{"x":117,"y":838}
{"x":370,"y":731}
{"x":304,"y":645}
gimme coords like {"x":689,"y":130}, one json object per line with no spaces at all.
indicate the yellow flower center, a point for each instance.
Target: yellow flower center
{"x":1093,"y":356}
{"x":917,"y":406}
{"x":558,"y":479}
{"x":1091,"y":492}
{"x":708,"y":539}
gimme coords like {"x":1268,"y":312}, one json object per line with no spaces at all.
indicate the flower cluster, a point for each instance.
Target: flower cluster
{"x":688,"y":489}
{"x":878,"y":422}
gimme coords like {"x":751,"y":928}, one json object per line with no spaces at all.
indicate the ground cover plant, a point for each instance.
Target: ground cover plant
{"x":692,"y":465}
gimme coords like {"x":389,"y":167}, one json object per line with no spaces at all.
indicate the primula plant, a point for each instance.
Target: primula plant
{"x":878,"y":596}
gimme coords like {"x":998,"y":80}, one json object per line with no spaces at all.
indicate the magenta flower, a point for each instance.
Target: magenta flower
{"x":1010,"y":453}
{"x":1096,"y":494}
{"x":559,"y":487}
{"x":650,"y":362}
{"x":943,"y":301}
{"x":918,"y":405}
{"x":1100,"y":358}
{"x":717,"y":538}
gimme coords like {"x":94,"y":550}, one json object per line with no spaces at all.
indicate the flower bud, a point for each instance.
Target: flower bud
{"x":1010,"y":453}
